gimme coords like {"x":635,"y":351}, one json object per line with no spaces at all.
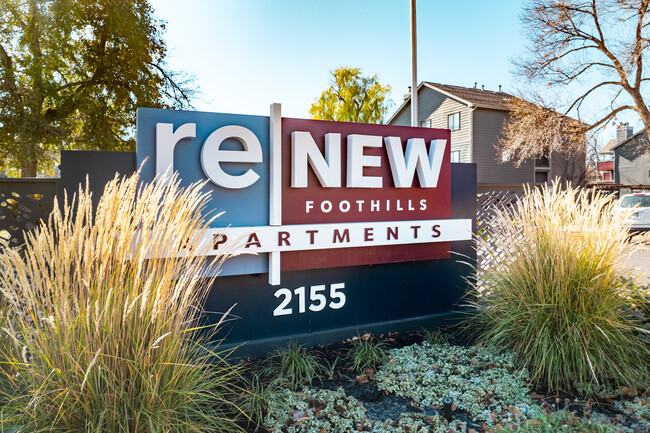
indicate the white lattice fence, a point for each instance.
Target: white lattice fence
{"x":487,"y":204}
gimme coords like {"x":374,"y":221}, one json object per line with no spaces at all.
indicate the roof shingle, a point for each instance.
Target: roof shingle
{"x":482,"y":98}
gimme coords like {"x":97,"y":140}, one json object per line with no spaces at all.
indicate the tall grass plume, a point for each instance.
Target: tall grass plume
{"x":555,"y":291}
{"x":106,"y":320}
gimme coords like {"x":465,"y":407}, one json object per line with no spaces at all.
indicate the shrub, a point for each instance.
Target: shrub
{"x":293,"y":366}
{"x":107,"y":305}
{"x":555,"y":292}
{"x":366,"y":353}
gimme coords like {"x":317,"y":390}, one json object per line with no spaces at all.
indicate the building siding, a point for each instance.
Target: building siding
{"x":632,"y":161}
{"x":435,"y":107}
{"x":403,"y":118}
{"x":490,"y":170}
{"x":565,"y":170}
{"x":479,"y":133}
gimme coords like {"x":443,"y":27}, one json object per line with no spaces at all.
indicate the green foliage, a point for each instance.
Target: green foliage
{"x":434,"y":336}
{"x":7,"y":353}
{"x":562,"y":421}
{"x":260,"y":397}
{"x":365,"y":353}
{"x":323,"y":409}
{"x":72,"y":74}
{"x":106,"y":339}
{"x":352,"y":97}
{"x":638,"y":407}
{"x":313,"y":411}
{"x":293,"y":366}
{"x":488,"y":386}
{"x":555,"y":295}
{"x":330,"y":370}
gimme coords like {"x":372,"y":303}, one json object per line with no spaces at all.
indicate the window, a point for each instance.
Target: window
{"x":635,"y":200}
{"x":455,"y":156}
{"x":541,"y":177}
{"x":453,"y":121}
{"x":542,"y":162}
{"x":425,"y":124}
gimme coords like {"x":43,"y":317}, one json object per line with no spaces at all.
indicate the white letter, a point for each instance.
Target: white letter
{"x":403,"y":166}
{"x":212,"y":156}
{"x":357,"y":160}
{"x":327,"y":169}
{"x":166,"y":140}
{"x":308,"y":205}
{"x":326,"y":206}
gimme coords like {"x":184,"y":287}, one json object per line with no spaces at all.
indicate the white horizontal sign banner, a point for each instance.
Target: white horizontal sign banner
{"x":301,"y":237}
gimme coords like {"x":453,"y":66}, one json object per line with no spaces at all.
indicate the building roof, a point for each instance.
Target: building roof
{"x":609,"y":146}
{"x":627,"y":140}
{"x":474,"y":96}
{"x":470,"y":96}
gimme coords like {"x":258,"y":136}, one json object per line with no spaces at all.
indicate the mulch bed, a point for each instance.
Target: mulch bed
{"x":381,"y":405}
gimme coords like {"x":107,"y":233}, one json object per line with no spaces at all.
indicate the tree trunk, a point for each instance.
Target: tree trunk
{"x":642,"y":108}
{"x":27,"y":168}
{"x":28,"y":162}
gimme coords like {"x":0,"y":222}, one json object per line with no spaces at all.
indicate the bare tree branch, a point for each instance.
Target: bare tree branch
{"x":611,"y":115}
{"x":600,"y":42}
{"x":534,"y":131}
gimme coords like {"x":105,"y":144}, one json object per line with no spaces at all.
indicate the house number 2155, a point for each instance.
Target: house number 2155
{"x":319,"y":298}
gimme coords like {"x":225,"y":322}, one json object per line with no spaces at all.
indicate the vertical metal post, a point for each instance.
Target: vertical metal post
{"x":414,"y":68}
{"x":275,"y":211}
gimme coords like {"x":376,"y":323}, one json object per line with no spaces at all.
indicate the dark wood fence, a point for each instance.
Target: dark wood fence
{"x":23,"y":204}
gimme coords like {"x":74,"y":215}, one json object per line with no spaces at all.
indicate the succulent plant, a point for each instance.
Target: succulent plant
{"x":486,"y":385}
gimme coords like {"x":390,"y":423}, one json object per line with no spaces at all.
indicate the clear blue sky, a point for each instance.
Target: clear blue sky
{"x":247,"y":54}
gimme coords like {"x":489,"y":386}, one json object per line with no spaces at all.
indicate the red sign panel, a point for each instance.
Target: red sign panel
{"x":316,"y":204}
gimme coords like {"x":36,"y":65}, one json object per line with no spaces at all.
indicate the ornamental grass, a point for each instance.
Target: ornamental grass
{"x":106,"y":317}
{"x":556,"y":292}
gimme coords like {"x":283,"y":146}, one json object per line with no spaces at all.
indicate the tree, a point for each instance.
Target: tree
{"x":352,"y":97}
{"x":536,"y":131}
{"x":594,"y":45}
{"x":73,"y":72}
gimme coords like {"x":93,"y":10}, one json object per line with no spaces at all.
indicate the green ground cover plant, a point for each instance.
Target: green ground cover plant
{"x":106,"y":305}
{"x":490,"y":394}
{"x":487,"y":385}
{"x":318,"y":411}
{"x":560,"y":422}
{"x":639,"y":408}
{"x":555,"y":293}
